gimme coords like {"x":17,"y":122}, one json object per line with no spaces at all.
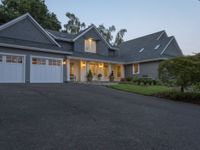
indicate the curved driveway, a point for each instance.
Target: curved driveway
{"x":86,"y":117}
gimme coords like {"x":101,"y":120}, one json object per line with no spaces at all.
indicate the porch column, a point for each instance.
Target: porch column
{"x":68,"y":69}
{"x":110,"y":69}
{"x":122,"y":71}
{"x":87,"y":67}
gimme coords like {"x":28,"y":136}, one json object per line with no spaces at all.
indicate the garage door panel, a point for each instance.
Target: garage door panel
{"x":12,"y":70}
{"x":48,"y":72}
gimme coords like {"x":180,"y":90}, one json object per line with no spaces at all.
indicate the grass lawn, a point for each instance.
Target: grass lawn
{"x":144,"y":90}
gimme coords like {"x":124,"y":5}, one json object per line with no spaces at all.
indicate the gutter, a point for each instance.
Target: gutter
{"x":34,"y":49}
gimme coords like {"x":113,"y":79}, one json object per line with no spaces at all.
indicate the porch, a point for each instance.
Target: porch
{"x":77,"y":70}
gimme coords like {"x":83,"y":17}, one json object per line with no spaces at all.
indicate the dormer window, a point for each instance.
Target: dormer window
{"x":90,"y":45}
{"x":157,"y":47}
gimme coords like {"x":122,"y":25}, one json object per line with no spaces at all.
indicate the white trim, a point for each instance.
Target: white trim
{"x":97,"y":60}
{"x":24,"y":62}
{"x":33,"y":48}
{"x":44,"y":57}
{"x":141,"y":50}
{"x":93,"y":26}
{"x":12,"y":22}
{"x":143,"y":61}
{"x":83,"y":33}
{"x":160,"y":35}
{"x":172,"y":38}
{"x":133,"y":68}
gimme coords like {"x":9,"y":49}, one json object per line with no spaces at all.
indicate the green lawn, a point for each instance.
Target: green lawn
{"x":144,"y":90}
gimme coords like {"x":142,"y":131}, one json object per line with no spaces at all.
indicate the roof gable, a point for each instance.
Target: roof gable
{"x":26,"y":28}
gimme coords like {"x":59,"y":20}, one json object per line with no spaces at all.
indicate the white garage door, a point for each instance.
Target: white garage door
{"x":46,"y":70}
{"x":12,"y":68}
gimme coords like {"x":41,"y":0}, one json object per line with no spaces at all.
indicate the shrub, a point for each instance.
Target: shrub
{"x":179,"y":96}
{"x":129,"y":79}
{"x":123,"y":80}
{"x":89,"y":76}
{"x":112,"y":77}
{"x":196,"y":87}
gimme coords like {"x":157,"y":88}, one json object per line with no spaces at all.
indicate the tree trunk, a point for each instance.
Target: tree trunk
{"x":182,"y":89}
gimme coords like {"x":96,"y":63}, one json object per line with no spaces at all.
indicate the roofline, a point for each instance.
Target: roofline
{"x":14,"y":21}
{"x":147,"y":60}
{"x":33,"y":48}
{"x":161,"y":35}
{"x":172,"y":38}
{"x":59,"y":38}
{"x":93,"y":26}
{"x":93,"y":59}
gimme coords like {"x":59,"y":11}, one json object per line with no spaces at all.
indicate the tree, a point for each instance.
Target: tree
{"x":107,"y":32}
{"x":10,"y":9}
{"x":183,"y":71}
{"x":120,"y":37}
{"x":73,"y":26}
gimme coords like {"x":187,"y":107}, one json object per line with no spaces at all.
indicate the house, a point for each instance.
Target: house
{"x":32,"y":54}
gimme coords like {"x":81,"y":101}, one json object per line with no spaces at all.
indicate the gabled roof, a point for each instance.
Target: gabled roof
{"x":25,"y":16}
{"x":63,"y":36}
{"x":149,"y":47}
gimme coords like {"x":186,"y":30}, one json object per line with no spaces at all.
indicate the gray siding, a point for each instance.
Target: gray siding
{"x":25,"y":30}
{"x":28,"y":54}
{"x":67,"y":46}
{"x":149,"y":69}
{"x":102,"y":48}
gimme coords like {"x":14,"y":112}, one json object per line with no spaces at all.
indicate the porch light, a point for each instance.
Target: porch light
{"x":64,"y":61}
{"x":83,"y":64}
{"x":101,"y":65}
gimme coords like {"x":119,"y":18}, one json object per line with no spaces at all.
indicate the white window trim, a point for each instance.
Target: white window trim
{"x":133,"y":69}
{"x":15,"y":54}
{"x":91,"y":46}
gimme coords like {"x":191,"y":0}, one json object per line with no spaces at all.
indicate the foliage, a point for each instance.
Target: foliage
{"x":74,"y":25}
{"x":107,"y":32}
{"x":10,"y":9}
{"x":119,"y":37}
{"x":147,"y":90}
{"x":89,"y":76}
{"x":179,"y":96}
{"x":196,"y":87}
{"x":182,"y":71}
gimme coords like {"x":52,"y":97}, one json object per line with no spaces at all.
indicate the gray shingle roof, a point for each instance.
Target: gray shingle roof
{"x":143,"y":48}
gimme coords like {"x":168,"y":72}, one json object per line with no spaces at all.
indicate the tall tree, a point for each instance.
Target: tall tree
{"x":10,"y":9}
{"x":107,"y":32}
{"x":74,"y":25}
{"x":120,"y":37}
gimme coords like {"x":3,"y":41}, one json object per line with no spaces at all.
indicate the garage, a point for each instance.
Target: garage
{"x":12,"y":68}
{"x":46,"y":70}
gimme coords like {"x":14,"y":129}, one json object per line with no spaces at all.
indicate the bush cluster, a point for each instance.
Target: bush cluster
{"x":180,"y":96}
{"x":140,"y":81}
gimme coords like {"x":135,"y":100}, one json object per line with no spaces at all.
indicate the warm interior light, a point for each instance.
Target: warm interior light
{"x":101,"y":65}
{"x":83,"y":64}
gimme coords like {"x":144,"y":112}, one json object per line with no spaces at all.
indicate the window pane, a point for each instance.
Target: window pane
{"x":8,"y":59}
{"x":106,"y":70}
{"x":34,"y":61}
{"x":136,"y":68}
{"x":38,"y":61}
{"x":1,"y":58}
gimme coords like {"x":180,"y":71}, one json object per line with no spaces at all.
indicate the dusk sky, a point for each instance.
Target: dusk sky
{"x":180,"y":18}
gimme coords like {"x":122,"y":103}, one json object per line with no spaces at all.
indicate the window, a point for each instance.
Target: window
{"x":118,"y":71}
{"x":38,"y":61}
{"x":90,"y":46}
{"x":1,"y":58}
{"x":72,"y":68}
{"x":141,"y":50}
{"x":53,"y":62}
{"x":136,"y":69}
{"x":106,"y":70}
{"x":14,"y":59}
{"x":157,"y":46}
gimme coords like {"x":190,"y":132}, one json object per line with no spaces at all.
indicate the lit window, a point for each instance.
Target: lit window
{"x":141,"y":50}
{"x":136,"y":69}
{"x":1,"y":58}
{"x":14,"y":59}
{"x":53,"y":62}
{"x":157,"y":46}
{"x":118,"y":71}
{"x":90,"y":46}
{"x":38,"y":61}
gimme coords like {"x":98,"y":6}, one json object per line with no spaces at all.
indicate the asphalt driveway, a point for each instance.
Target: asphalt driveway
{"x":86,"y":117}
